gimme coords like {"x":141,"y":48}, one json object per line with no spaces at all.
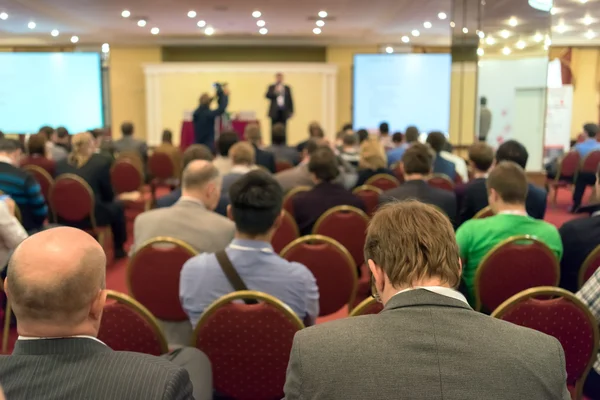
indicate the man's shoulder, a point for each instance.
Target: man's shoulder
{"x":537,"y":191}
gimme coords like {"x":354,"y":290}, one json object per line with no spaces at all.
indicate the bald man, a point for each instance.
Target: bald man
{"x":56,"y":285}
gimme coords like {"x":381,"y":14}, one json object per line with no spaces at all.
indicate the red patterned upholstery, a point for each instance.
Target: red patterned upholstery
{"x":517,"y":264}
{"x":458,"y":180}
{"x":161,"y":166}
{"x":590,"y":162}
{"x":127,"y":326}
{"x":370,"y":196}
{"x":125,"y":176}
{"x":285,"y":234}
{"x":589,"y":266}
{"x":368,"y":306}
{"x":281,"y":165}
{"x":42,"y":177}
{"x":484,"y":213}
{"x":332,"y":267}
{"x":153,"y":276}
{"x":248,"y":345}
{"x":288,"y":204}
{"x":383,"y":182}
{"x":347,"y":225}
{"x":441,"y":181}
{"x":71,"y":198}
{"x":565,"y":318}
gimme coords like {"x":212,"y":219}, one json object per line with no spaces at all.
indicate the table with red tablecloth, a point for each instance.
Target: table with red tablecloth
{"x":187,"y":131}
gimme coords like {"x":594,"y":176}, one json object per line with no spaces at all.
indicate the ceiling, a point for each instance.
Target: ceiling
{"x":383,"y":22}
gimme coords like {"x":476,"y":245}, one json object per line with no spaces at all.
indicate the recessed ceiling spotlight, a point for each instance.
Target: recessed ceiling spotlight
{"x":415,"y":32}
{"x":323,"y":14}
{"x":125,"y":14}
{"x":263,"y":31}
{"x":256,"y":14}
{"x":260,"y":23}
{"x":389,"y":50}
{"x":55,"y":32}
{"x":442,"y":15}
{"x":590,"y":34}
{"x":209,"y":31}
{"x":561,"y":27}
{"x":74,"y":39}
{"x":427,"y":25}
{"x":465,"y":30}
{"x":317,"y":31}
{"x":141,"y":23}
{"x":513,"y":21}
{"x":506,"y":51}
{"x":481,"y":34}
{"x":105,"y":48}
{"x":538,"y":37}
{"x":405,"y":39}
{"x":3,"y":15}
{"x":480,"y":52}
{"x":553,"y":10}
{"x":452,"y":24}
{"x":201,"y":23}
{"x":31,"y":25}
{"x":547,"y":41}
{"x":155,"y":31}
{"x":505,"y":34}
{"x":583,"y":1}
{"x":320,"y":23}
{"x":490,"y":40}
{"x":192,"y":14}
{"x":588,"y":20}
{"x":521,"y":44}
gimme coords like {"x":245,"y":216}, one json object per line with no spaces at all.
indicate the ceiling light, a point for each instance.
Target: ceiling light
{"x":583,"y":1}
{"x":442,"y":15}
{"x":587,"y":20}
{"x":415,"y":32}
{"x":521,"y":44}
{"x":538,"y":37}
{"x":323,"y":14}
{"x":405,"y":39}
{"x":317,"y":31}
{"x":105,"y":48}
{"x":481,"y":34}
{"x":389,"y":50}
{"x":465,"y":30}
{"x":201,"y":23}
{"x":256,"y":14}
{"x":3,"y":15}
{"x":427,"y":24}
{"x":553,"y":10}
{"x":192,"y":14}
{"x":261,"y":23}
{"x":505,"y":34}
{"x":452,"y":24}
{"x":506,"y":51}
{"x":320,"y":23}
{"x":590,"y":34}
{"x":74,"y":39}
{"x":54,"y":32}
{"x":125,"y":14}
{"x":490,"y":40}
{"x":561,"y":27}
{"x":154,"y":31}
{"x":263,"y":31}
{"x":141,"y":23}
{"x":209,"y":30}
{"x":513,"y":21}
{"x":480,"y":52}
{"x":31,"y":25}
{"x":548,"y":41}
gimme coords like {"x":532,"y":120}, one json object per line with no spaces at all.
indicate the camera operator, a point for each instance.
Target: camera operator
{"x":204,"y":117}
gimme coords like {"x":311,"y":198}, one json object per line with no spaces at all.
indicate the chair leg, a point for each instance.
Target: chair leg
{"x":554,"y":195}
{"x":6,"y":330}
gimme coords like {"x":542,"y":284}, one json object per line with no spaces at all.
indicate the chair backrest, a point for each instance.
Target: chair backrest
{"x":286,"y":233}
{"x":126,"y":176}
{"x":153,"y":276}
{"x":441,"y":181}
{"x":557,"y":312}
{"x":383,"y":182}
{"x":72,"y":199}
{"x":348,"y":225}
{"x":568,"y":165}
{"x":370,"y":196}
{"x":288,"y":204}
{"x":161,"y":166}
{"x":516,"y":264}
{"x":590,"y":162}
{"x":484,"y":213}
{"x":366,"y":307}
{"x":589,"y":266}
{"x":42,"y":177}
{"x":133,"y":156}
{"x":458,"y":179}
{"x":248,"y":345}
{"x":128,"y":326}
{"x":282,"y":165}
{"x":332,"y":266}
{"x":398,"y":171}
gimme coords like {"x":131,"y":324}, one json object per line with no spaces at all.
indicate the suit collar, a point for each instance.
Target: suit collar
{"x":59,"y":346}
{"x":423,"y":297}
{"x":184,"y":200}
{"x":416,"y":182}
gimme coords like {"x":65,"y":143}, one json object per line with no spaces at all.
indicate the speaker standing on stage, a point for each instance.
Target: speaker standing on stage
{"x":282,"y":105}
{"x":204,"y":117}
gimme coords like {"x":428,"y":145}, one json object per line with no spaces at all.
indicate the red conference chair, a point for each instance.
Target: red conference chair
{"x":288,"y":204}
{"x":516,"y":264}
{"x":366,"y":307}
{"x":441,"y":181}
{"x":589,"y":266}
{"x":153,"y":276}
{"x":286,"y":233}
{"x":248,"y":345}
{"x":126,"y":176}
{"x":282,"y":165}
{"x":128,"y":326}
{"x":590,"y":162}
{"x":557,"y":312}
{"x":566,"y":174}
{"x":42,"y":177}
{"x":160,"y":166}
{"x":332,"y":266}
{"x":398,"y":171}
{"x":458,"y":180}
{"x":370,"y":196}
{"x":383,"y":182}
{"x":484,"y":213}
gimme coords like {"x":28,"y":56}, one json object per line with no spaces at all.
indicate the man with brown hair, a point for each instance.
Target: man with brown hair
{"x":507,"y":191}
{"x":417,"y":164}
{"x":263,"y":158}
{"x":481,"y":159}
{"x":242,"y":157}
{"x":172,"y":151}
{"x":427,"y":343}
{"x":279,"y":148}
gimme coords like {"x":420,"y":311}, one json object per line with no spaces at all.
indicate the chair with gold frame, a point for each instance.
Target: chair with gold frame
{"x":589,"y":266}
{"x":441,"y":181}
{"x":7,"y":318}
{"x":132,"y":156}
{"x":383,"y":182}
{"x":127,"y":178}
{"x":332,"y":266}
{"x":128,"y":326}
{"x":288,"y":204}
{"x":370,"y":196}
{"x":286,"y":233}
{"x":255,"y":338}
{"x":368,"y":306}
{"x":513,"y":265}
{"x":43,"y":178}
{"x":484,"y":213}
{"x":559,"y":313}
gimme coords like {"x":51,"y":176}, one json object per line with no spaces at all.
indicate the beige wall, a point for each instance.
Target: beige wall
{"x":463,"y":99}
{"x":586,"y":92}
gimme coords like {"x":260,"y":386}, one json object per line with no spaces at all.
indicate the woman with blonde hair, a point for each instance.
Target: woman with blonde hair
{"x":95,"y":170}
{"x":372,"y":161}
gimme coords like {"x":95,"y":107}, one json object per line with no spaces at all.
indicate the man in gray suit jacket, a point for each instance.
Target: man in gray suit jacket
{"x":130,"y":144}
{"x":56,"y":285}
{"x":427,"y":343}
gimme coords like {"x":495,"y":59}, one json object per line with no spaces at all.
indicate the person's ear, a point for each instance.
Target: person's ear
{"x":378,"y":276}
{"x":6,"y":287}
{"x":229,"y":212}
{"x":97,"y":306}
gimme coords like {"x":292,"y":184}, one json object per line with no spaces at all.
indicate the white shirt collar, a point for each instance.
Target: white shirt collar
{"x":596,"y":213}
{"x":242,"y":169}
{"x":61,"y":337}
{"x":6,"y":160}
{"x":444,"y":291}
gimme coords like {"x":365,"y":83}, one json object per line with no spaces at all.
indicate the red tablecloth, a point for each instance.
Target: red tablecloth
{"x":187,"y":131}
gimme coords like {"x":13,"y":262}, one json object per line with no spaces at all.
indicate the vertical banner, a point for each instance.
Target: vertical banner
{"x":558,"y":121}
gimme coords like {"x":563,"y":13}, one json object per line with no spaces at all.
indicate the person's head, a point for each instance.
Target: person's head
{"x":315,"y":130}
{"x":56,"y":284}
{"x":483,"y":101}
{"x":349,"y":140}
{"x":514,"y":151}
{"x":1,"y":135}
{"x":167,"y":136}
{"x":372,"y":155}
{"x":363,"y":135}
{"x":201,"y":181}
{"x":591,"y":130}
{"x":127,"y":129}
{"x":397,"y":138}
{"x":323,"y":165}
{"x":196,"y":152}
{"x":252,"y":134}
{"x":384,"y":128}
{"x":225,"y":141}
{"x":82,"y":147}
{"x":37,"y":145}
{"x":205,"y":99}
{"x":256,"y":203}
{"x":279,"y":77}
{"x":437,"y":141}
{"x":242,"y":153}
{"x":347,"y":127}
{"x":311,"y":146}
{"x":481,"y":157}
{"x":506,"y":186}
{"x":403,"y":251}
{"x":11,"y":150}
{"x":417,"y":160}
{"x":278,"y":134}
{"x":412,"y":134}
{"x":61,"y":135}
{"x":46,"y":131}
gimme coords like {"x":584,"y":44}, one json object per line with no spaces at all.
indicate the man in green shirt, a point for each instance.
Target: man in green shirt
{"x":507,"y":191}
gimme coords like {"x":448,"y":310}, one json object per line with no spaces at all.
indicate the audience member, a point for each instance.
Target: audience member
{"x":384,"y":136}
{"x":173,"y":152}
{"x":395,"y":155}
{"x":256,"y":209}
{"x":314,"y":132}
{"x":95,"y":170}
{"x":263,"y":158}
{"x":62,"y":147}
{"x":372,"y":161}
{"x":481,"y":158}
{"x":104,"y":146}
{"x":350,"y":150}
{"x":21,"y":187}
{"x":280,"y":149}
{"x":507,"y":191}
{"x":427,"y":343}
{"x":397,"y":139}
{"x":459,"y":163}
{"x":299,"y":175}
{"x":309,"y":206}
{"x":129,"y":144}
{"x":363,"y":135}
{"x":585,"y":178}
{"x":11,"y":231}
{"x":37,"y":154}
{"x":222,"y":162}
{"x":437,"y":140}
{"x":191,"y":218}
{"x":417,"y":163}
{"x":242,"y":156}
{"x":589,"y":294}
{"x":57,"y":287}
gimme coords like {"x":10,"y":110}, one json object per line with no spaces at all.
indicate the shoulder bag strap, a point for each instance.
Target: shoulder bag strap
{"x":232,"y":276}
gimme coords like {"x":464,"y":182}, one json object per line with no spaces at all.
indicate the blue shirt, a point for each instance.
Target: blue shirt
{"x":587,"y":146}
{"x":202,"y":280}
{"x":396,"y":154}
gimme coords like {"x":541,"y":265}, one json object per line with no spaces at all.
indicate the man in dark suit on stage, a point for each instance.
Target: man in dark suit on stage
{"x":282,"y":104}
